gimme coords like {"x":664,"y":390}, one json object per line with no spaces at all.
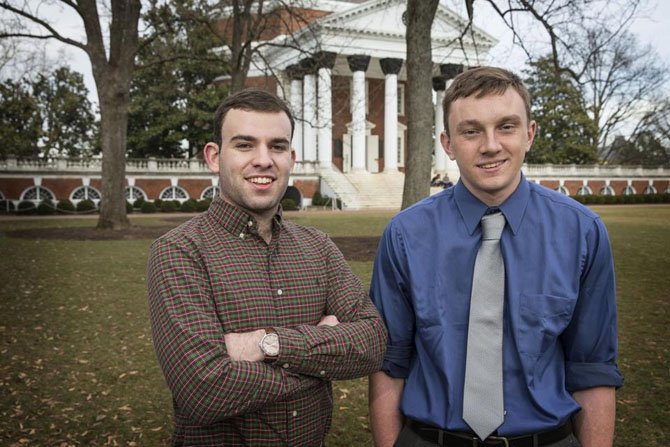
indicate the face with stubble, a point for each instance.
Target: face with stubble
{"x":254,"y":161}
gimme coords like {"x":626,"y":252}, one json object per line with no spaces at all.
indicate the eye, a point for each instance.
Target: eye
{"x":470,"y":132}
{"x":508,"y":127}
{"x":279,"y":148}
{"x":243,"y":145}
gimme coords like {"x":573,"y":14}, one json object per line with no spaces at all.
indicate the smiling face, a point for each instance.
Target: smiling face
{"x":488,"y":137}
{"x":254,"y":161}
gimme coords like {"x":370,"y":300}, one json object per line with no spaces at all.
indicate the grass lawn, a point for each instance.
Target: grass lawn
{"x":77,"y":366}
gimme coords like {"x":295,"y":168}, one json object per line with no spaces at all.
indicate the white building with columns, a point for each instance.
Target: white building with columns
{"x":344,"y":76}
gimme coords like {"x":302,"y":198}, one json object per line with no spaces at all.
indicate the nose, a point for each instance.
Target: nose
{"x":263,"y":157}
{"x":491,"y":143}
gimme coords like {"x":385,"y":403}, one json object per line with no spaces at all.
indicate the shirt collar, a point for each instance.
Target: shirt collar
{"x":234,"y":220}
{"x":472,"y":209}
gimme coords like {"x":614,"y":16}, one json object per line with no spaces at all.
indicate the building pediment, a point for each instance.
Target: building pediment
{"x":376,"y":28}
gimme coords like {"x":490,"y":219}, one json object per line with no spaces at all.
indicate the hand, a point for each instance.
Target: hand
{"x":244,"y":346}
{"x":329,"y":320}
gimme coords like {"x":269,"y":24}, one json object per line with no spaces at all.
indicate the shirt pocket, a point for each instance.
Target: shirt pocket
{"x":542,"y":318}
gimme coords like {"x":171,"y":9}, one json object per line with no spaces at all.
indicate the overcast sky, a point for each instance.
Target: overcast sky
{"x":652,"y":26}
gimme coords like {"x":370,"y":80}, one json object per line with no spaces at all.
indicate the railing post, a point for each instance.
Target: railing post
{"x":152,"y":164}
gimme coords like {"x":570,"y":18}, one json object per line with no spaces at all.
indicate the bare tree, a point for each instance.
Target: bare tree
{"x":618,"y":79}
{"x":113,"y":66}
{"x":589,"y":42}
{"x":248,"y":28}
{"x":420,"y":15}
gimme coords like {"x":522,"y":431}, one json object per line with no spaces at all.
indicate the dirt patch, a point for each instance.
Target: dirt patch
{"x":361,"y":248}
{"x":354,"y":248}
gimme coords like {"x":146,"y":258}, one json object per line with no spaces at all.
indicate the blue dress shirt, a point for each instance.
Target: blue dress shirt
{"x":559,"y":333}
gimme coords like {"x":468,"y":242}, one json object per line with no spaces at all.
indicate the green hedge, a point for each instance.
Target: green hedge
{"x":86,"y":206}
{"x":6,"y":206}
{"x":593,"y":199}
{"x":46,"y":208}
{"x":26,"y":207}
{"x":289,"y":205}
{"x":189,"y":206}
{"x":148,"y":207}
{"x":65,"y":206}
{"x":203,"y":205}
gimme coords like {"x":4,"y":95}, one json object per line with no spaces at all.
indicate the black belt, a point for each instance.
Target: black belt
{"x":461,"y":439}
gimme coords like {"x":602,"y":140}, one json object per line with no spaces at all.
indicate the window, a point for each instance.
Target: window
{"x":401,"y":99}
{"x":37,"y":194}
{"x":629,"y":191}
{"x":174,"y":193}
{"x":563,"y":190}
{"x":85,"y":193}
{"x":607,"y":190}
{"x":133,"y":193}
{"x":650,"y":190}
{"x":210,"y":192}
{"x":584,"y":191}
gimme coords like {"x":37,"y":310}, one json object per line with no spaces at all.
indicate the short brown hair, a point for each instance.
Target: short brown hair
{"x":483,"y":81}
{"x":250,"y":100}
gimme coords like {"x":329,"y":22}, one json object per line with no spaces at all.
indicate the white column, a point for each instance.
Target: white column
{"x":391,"y":122}
{"x":296,"y":105}
{"x":358,"y":121}
{"x":325,"y":117}
{"x":440,"y":156}
{"x":451,"y":166}
{"x":309,"y":114}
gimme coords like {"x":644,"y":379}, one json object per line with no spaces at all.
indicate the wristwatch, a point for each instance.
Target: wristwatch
{"x":269,"y":344}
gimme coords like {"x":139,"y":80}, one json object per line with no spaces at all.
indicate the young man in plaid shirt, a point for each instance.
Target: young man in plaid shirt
{"x":253,"y":316}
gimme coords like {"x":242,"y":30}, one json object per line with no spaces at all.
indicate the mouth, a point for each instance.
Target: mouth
{"x":261,"y":181}
{"x":491,"y":165}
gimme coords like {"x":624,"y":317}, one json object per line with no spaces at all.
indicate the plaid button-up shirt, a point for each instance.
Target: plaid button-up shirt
{"x":214,"y":275}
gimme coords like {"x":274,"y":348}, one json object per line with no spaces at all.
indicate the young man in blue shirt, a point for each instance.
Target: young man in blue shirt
{"x":559,"y":335}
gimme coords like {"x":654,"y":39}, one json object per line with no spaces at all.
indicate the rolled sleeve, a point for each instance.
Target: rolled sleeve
{"x":580,"y":376}
{"x":590,"y":340}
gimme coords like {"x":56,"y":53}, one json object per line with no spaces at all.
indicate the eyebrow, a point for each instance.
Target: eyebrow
{"x":514,"y":118}
{"x":252,"y":139}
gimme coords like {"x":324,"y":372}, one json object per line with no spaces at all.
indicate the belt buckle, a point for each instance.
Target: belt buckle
{"x":504,"y":440}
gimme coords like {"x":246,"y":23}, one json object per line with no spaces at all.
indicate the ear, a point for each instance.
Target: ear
{"x":446,"y":145}
{"x":211,"y":153}
{"x":292,"y":158}
{"x":532,"y":127}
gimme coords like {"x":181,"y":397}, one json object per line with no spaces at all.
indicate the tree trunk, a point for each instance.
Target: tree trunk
{"x":420,"y":15}
{"x":114,"y":99}
{"x":112,"y":72}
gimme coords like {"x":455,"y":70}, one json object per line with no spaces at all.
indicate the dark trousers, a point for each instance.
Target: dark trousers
{"x":409,"y":438}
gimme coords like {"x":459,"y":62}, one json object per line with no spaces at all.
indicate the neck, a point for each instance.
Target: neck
{"x":265,"y":229}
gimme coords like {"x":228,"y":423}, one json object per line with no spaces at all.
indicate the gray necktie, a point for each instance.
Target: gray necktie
{"x":483,"y":390}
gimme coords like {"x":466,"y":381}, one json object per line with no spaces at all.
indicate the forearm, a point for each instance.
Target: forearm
{"x":345,"y":351}
{"x":594,"y":424}
{"x":213,"y":387}
{"x":384,"y":401}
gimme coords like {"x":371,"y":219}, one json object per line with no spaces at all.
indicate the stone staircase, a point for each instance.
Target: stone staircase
{"x":363,"y":190}
{"x":344,"y":189}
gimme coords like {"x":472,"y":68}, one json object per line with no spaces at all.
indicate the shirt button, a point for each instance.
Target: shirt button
{"x":241,"y":235}
{"x":295,"y":413}
{"x":322,"y":373}
{"x":280,"y":292}
{"x":285,"y":366}
{"x":250,"y":223}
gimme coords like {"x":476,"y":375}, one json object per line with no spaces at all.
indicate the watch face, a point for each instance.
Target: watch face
{"x":270,"y":345}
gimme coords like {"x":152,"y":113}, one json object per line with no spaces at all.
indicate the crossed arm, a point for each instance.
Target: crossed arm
{"x":348,"y":342}
{"x":214,"y":375}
